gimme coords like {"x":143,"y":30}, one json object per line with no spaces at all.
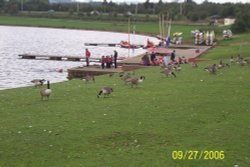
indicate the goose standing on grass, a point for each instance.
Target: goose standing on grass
{"x":232,"y":60}
{"x":168,"y":71}
{"x":38,"y":82}
{"x":177,"y":68}
{"x":194,"y":65}
{"x":87,"y":78}
{"x":105,"y":91}
{"x":222,"y":65}
{"x":135,"y":81}
{"x":211,"y":69}
{"x":46,"y":92}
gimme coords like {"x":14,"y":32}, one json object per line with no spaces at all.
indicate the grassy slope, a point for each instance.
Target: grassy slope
{"x":151,"y":28}
{"x":135,"y":126}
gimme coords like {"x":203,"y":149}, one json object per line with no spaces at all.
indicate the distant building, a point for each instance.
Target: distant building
{"x":229,"y":21}
{"x":95,"y":13}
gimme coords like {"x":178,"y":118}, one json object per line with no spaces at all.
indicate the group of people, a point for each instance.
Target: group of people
{"x":147,"y":59}
{"x":150,"y":59}
{"x":107,"y":61}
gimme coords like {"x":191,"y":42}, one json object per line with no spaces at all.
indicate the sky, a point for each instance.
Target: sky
{"x":197,"y":1}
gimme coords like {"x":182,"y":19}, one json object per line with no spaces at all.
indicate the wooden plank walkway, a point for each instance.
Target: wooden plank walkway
{"x":59,"y":58}
{"x":103,"y":44}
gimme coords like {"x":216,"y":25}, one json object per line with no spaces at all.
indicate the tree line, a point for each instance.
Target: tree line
{"x":175,"y":10}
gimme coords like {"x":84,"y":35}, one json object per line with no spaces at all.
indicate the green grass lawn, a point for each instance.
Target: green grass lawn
{"x":134,"y":127}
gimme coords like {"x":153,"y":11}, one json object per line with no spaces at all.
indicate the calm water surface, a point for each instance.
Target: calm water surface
{"x":15,"y":72}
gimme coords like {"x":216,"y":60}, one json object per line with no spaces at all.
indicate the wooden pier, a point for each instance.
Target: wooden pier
{"x":56,"y":57}
{"x":59,"y":58}
{"x":103,"y":44}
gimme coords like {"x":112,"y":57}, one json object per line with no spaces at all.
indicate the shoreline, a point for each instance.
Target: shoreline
{"x":65,"y":71}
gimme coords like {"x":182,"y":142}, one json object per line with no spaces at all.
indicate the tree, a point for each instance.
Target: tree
{"x":160,"y":2}
{"x":228,"y":11}
{"x":148,"y":5}
{"x":104,"y":2}
{"x":242,"y":22}
{"x":2,"y":2}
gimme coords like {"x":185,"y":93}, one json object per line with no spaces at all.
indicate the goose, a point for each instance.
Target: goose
{"x":135,"y":81}
{"x":105,"y":91}
{"x":222,"y":65}
{"x":194,"y":65}
{"x":125,"y":76}
{"x":168,"y":71}
{"x":38,"y":82}
{"x":87,"y":78}
{"x":46,"y":92}
{"x":243,"y":62}
{"x":232,"y":60}
{"x":177,"y":68}
{"x":211,"y":69}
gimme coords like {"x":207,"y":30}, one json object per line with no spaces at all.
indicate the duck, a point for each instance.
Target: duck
{"x":46,"y":92}
{"x":105,"y":91}
{"x":38,"y":82}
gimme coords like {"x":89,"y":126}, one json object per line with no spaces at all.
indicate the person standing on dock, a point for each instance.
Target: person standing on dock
{"x":115,"y":58}
{"x":87,"y":56}
{"x":173,"y":56}
{"x":103,"y":60}
{"x":152,"y":57}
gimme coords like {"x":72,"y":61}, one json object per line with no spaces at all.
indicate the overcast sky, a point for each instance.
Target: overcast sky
{"x":197,"y":1}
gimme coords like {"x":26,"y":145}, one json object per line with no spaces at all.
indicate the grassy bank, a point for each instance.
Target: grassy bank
{"x":134,"y":127}
{"x":151,"y":28}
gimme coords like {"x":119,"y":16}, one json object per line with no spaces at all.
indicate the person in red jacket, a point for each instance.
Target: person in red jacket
{"x":156,"y":62}
{"x":87,"y":56}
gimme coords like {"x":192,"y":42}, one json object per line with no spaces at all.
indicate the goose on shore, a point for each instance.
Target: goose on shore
{"x":135,"y":81}
{"x":194,"y":65}
{"x":211,"y":69}
{"x":46,"y":92}
{"x":222,"y":65}
{"x":105,"y":91}
{"x":38,"y":82}
{"x":88,"y":78}
{"x":168,"y":71}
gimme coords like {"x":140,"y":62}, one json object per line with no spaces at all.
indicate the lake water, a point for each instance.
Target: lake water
{"x":16,"y":72}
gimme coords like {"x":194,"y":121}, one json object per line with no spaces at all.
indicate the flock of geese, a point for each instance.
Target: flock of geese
{"x":129,"y":79}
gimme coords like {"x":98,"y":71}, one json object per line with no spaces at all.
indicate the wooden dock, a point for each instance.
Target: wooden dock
{"x":59,"y":58}
{"x":103,"y":44}
{"x":80,"y":72}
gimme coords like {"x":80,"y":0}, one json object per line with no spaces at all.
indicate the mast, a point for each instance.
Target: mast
{"x":169,"y":27}
{"x":129,"y":36}
{"x":160,"y":26}
{"x":163,"y":26}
